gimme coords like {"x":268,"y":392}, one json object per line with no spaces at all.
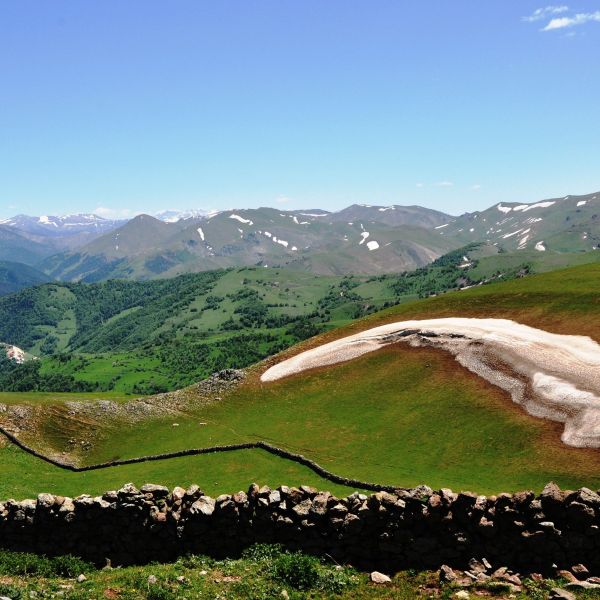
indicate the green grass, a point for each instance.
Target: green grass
{"x":263,"y":572}
{"x":399,"y":416}
{"x":24,"y":476}
{"x":539,"y":262}
{"x":53,"y":398}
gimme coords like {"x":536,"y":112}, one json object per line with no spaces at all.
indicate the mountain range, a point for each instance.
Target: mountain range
{"x":362,"y":239}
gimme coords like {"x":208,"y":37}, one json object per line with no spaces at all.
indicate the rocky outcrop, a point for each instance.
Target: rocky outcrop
{"x":418,"y":528}
{"x":13,"y":353}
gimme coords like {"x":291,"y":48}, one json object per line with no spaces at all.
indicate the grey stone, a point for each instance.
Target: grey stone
{"x":379,"y":578}
{"x":156,"y":490}
{"x":447,"y":574}
{"x":205,"y":505}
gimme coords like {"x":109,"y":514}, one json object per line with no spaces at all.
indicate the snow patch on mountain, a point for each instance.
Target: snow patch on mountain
{"x":241,"y":219}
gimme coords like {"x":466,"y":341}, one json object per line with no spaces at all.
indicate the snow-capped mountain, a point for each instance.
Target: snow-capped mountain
{"x":172,"y":216}
{"x":361,"y":238}
{"x":59,"y":226}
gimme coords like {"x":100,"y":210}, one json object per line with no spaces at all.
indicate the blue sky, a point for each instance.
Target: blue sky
{"x":126,"y":107}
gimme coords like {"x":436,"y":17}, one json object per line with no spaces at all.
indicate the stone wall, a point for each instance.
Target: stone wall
{"x":385,"y":531}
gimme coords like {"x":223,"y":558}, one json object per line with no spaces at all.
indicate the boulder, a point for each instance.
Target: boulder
{"x":205,"y":506}
{"x":379,"y":578}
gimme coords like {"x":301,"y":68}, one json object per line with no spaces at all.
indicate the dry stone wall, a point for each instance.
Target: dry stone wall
{"x":386,"y":531}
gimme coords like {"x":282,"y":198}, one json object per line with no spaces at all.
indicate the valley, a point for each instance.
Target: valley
{"x":154,"y":336}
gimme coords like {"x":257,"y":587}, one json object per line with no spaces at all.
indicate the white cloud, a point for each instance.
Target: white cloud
{"x":420,"y":185}
{"x":547,"y":11}
{"x":578,"y":19}
{"x":444,"y":184}
{"x":476,"y":187}
{"x":113,"y":213}
{"x":282,"y":199}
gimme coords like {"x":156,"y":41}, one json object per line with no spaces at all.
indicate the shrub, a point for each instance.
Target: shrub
{"x":25,"y":563}
{"x":263,"y":552}
{"x":70,"y":566}
{"x":158,"y":592}
{"x":297,"y":570}
{"x":10,"y":591}
{"x":336,"y":581}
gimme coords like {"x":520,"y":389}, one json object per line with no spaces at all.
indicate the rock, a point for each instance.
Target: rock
{"x":240,"y":498}
{"x":45,"y":500}
{"x":128,"y":489}
{"x":178,"y":494}
{"x":593,"y":579}
{"x":228,"y":375}
{"x":152,"y":580}
{"x":205,"y":505}
{"x":156,"y":490}
{"x":181,"y":579}
{"x":560,"y":594}
{"x":193,"y":491}
{"x":81,"y":578}
{"x":552,"y":498}
{"x":303,"y":509}
{"x":582,"y":585}
{"x":446,"y":574}
{"x":285,"y":595}
{"x":308,"y":490}
{"x":563,"y":574}
{"x":579,"y":570}
{"x":377,"y":577}
{"x":461,"y":595}
{"x":512,"y":579}
{"x":476,"y":566}
{"x":580,"y":514}
{"x":585,"y":496}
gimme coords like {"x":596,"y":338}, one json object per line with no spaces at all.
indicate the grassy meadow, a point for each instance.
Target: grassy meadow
{"x":399,"y":416}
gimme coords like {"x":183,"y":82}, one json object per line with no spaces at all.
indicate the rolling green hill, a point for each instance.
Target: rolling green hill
{"x":399,"y":416}
{"x":144,"y":337}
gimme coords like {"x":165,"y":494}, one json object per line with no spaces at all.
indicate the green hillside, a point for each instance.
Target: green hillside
{"x":16,"y":276}
{"x":145,"y":337}
{"x":567,"y":224}
{"x":399,"y":416}
{"x":15,"y":246}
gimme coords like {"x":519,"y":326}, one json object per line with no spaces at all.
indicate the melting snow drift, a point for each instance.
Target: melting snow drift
{"x":551,"y":376}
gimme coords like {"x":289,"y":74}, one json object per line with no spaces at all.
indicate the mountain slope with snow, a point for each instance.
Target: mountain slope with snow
{"x":567,"y":224}
{"x":310,"y":241}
